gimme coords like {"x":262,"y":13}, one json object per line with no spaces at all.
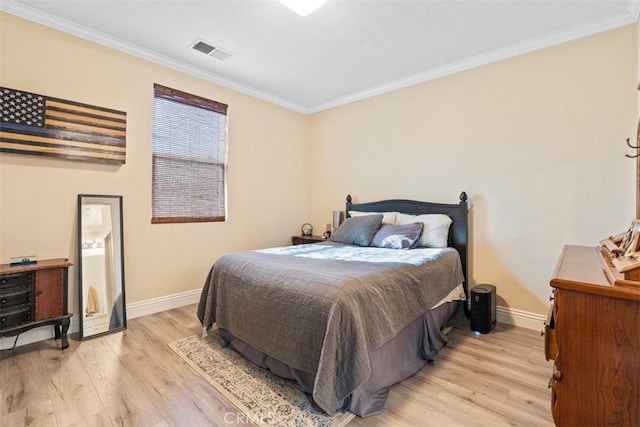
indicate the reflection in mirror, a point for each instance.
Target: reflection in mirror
{"x":100,"y":265}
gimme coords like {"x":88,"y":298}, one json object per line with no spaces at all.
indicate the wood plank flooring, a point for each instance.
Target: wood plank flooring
{"x":133,"y":378}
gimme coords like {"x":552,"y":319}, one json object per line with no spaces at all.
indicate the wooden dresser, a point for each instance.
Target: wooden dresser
{"x":35,"y":295}
{"x":593,"y":335}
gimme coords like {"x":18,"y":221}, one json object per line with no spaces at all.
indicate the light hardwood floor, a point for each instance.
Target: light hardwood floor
{"x":134,"y":378}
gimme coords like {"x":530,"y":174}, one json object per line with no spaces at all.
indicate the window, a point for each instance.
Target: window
{"x":189,"y":158}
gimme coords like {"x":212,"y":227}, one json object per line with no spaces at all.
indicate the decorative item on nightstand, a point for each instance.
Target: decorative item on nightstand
{"x":338,"y":217}
{"x":327,"y":233}
{"x":307,"y":229}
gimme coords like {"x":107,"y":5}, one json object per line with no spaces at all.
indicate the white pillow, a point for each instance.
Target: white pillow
{"x":387,"y":217}
{"x":436,"y":228}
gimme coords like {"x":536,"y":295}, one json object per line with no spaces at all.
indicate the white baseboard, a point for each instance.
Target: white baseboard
{"x":134,"y":310}
{"x":155,"y":305}
{"x":506,"y":315}
{"x":524,"y":319}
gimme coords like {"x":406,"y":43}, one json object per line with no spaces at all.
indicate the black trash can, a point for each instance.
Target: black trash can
{"x":483,"y":308}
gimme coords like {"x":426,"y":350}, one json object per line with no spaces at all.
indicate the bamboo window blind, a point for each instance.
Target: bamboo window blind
{"x":189,"y":145}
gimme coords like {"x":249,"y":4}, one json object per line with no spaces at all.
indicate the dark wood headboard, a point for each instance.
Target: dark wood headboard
{"x":458,"y":232}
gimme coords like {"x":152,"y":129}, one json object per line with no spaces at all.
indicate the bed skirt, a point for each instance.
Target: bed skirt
{"x":398,"y":359}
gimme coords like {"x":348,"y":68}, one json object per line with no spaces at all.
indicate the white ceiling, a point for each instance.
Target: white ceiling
{"x":346,"y":50}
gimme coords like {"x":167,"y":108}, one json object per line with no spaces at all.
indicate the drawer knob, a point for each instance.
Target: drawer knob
{"x":3,"y":301}
{"x":3,"y":319}
{"x":557,"y":375}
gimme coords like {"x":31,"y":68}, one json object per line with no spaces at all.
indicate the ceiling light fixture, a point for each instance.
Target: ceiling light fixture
{"x":303,"y":7}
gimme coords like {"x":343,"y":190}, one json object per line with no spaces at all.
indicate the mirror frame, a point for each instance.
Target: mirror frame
{"x":116,"y":213}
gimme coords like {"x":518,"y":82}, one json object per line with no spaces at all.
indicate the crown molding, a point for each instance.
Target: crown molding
{"x":615,"y":21}
{"x":57,"y":23}
{"x":609,"y":23}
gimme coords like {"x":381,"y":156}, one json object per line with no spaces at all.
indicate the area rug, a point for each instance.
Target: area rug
{"x":262,"y":397}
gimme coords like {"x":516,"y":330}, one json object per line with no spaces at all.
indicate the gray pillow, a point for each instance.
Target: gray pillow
{"x":357,"y":231}
{"x":398,"y":236}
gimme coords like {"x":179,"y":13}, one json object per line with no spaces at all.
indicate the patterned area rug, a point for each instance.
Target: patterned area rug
{"x":263,"y":398}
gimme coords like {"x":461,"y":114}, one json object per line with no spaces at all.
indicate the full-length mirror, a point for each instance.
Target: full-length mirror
{"x":100,"y":265}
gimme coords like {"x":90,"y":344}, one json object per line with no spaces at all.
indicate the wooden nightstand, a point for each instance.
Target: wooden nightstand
{"x":302,"y":240}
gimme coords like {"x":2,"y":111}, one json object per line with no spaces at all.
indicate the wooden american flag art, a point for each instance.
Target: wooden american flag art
{"x":45,"y":126}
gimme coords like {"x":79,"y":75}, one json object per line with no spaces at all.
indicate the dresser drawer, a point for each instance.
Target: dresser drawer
{"x":550,"y":341}
{"x":15,"y":316}
{"x":14,"y":295}
{"x":15,"y":279}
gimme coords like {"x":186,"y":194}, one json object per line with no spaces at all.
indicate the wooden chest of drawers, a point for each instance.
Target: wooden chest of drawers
{"x":35,"y":295}
{"x":593,"y":335}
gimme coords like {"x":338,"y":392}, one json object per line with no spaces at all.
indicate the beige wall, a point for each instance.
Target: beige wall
{"x":537,"y":142}
{"x":267,"y":183}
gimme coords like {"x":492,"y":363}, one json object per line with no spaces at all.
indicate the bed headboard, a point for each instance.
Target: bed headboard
{"x":458,"y":232}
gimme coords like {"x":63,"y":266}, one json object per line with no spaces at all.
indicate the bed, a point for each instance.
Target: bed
{"x":344,"y":319}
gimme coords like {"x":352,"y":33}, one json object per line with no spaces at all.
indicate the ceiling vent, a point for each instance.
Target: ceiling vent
{"x":211,"y":49}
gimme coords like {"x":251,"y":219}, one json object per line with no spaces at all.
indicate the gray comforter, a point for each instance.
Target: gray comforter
{"x":321,"y":308}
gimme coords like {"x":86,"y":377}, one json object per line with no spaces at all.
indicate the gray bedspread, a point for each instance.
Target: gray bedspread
{"x":321,"y":308}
